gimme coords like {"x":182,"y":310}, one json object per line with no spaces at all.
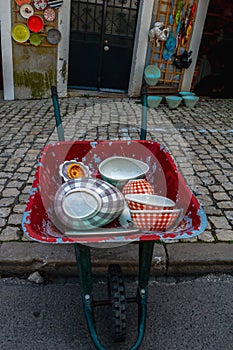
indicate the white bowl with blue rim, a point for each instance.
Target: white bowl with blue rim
{"x":173,"y":101}
{"x":152,"y":74}
{"x":154,"y":101}
{"x":186,"y":93}
{"x":190,"y":101}
{"x":87,"y":203}
{"x":119,"y":170}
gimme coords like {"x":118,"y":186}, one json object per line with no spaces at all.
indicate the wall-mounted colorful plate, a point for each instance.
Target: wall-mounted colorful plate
{"x":35,"y":23}
{"x":20,"y":32}
{"x":40,"y":5}
{"x":49,"y":14}
{"x":21,"y":2}
{"x":35,"y":39}
{"x":53,"y":36}
{"x":26,"y":10}
{"x":55,"y":3}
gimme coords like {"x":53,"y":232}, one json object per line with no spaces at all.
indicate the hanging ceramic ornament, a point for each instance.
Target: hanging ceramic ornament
{"x":169,"y":47}
{"x":178,"y":10}
{"x":160,"y":32}
{"x":171,"y":13}
{"x":190,"y":23}
{"x":183,"y":60}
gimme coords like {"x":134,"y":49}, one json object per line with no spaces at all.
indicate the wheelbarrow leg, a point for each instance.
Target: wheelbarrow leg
{"x":145,"y":259}
{"x":144,"y":114}
{"x":83,"y":258}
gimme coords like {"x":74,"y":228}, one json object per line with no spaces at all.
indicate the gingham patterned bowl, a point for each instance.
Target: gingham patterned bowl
{"x":87,"y":203}
{"x":156,"y":220}
{"x":141,"y":186}
{"x":140,"y":201}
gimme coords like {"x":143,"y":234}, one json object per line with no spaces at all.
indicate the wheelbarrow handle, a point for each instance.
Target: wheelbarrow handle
{"x":60,"y":130}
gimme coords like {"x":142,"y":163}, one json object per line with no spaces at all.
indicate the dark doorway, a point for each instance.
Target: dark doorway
{"x":214,"y":65}
{"x":1,"y":76}
{"x":101,"y":43}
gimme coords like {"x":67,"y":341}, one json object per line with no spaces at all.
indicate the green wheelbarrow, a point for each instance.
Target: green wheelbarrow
{"x":39,"y":226}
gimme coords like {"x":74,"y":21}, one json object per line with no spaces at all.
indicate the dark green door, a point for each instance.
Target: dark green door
{"x":101,"y":43}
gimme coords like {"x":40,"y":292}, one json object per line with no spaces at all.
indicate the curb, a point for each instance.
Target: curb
{"x":172,"y":259}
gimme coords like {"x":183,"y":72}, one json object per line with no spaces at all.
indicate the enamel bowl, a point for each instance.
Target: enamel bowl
{"x":190,"y":101}
{"x":138,"y":186}
{"x":154,"y":101}
{"x":173,"y":101}
{"x":86,"y":203}
{"x":119,"y":170}
{"x":186,"y":93}
{"x":152,"y":75}
{"x":156,"y":220}
{"x":148,"y":202}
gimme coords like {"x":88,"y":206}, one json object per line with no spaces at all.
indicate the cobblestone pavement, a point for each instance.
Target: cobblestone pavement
{"x":199,"y":139}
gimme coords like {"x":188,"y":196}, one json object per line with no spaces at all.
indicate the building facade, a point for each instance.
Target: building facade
{"x":101,"y":45}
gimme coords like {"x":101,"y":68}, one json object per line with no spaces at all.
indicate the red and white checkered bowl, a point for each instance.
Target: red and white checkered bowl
{"x":138,"y":201}
{"x":138,"y":186}
{"x":156,"y":220}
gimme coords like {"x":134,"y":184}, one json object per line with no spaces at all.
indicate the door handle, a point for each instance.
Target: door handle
{"x":106,"y":48}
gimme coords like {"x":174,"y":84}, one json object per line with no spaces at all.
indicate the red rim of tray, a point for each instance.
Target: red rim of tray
{"x":35,"y":23}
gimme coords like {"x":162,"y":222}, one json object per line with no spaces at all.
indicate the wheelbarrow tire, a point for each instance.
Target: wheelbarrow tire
{"x":116,"y":293}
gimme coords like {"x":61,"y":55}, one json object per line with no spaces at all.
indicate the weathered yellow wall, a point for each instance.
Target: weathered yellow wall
{"x":34,"y":71}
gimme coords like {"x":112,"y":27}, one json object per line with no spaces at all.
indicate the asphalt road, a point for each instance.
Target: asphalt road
{"x":189,"y":313}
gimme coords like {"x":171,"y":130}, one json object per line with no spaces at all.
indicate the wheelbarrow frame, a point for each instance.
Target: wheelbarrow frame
{"x":83,"y":257}
{"x":83,"y":252}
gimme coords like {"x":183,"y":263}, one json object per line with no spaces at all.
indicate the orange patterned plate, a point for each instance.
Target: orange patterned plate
{"x":22,"y":2}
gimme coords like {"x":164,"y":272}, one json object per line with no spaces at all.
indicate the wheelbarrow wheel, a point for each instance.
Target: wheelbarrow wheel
{"x":116,"y":293}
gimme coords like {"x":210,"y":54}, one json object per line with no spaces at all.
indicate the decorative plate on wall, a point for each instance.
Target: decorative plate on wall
{"x":53,"y":36}
{"x":40,"y":5}
{"x":20,"y":32}
{"x":49,"y":14}
{"x":21,"y":2}
{"x":26,"y":10}
{"x":35,"y":23}
{"x":35,"y":39}
{"x":55,"y":3}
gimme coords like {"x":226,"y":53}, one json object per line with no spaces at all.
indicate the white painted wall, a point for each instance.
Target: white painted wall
{"x":7,"y":58}
{"x":63,"y":48}
{"x":140,"y":47}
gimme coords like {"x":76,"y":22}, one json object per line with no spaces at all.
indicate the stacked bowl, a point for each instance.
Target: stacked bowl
{"x":148,"y":211}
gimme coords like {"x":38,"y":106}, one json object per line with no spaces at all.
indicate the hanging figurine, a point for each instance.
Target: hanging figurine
{"x":160,"y":32}
{"x":189,"y":24}
{"x":183,"y":60}
{"x":178,"y":10}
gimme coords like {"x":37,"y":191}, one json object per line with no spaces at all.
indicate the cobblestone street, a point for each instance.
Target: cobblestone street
{"x":199,"y":139}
